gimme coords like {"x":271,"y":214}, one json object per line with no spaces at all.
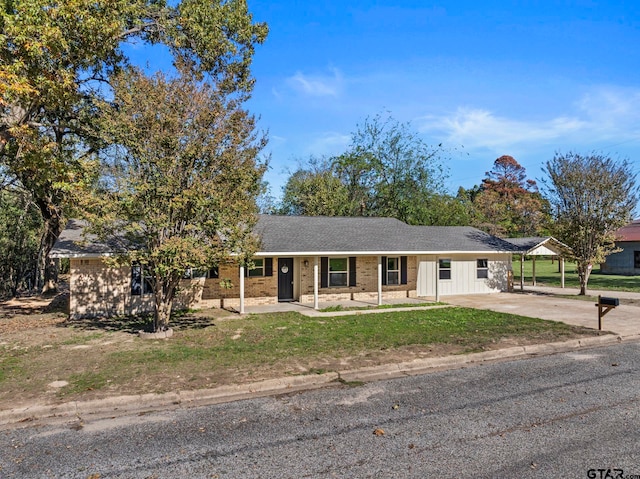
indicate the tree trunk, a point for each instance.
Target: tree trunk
{"x":584,"y":271}
{"x":164,"y":293}
{"x":47,"y":269}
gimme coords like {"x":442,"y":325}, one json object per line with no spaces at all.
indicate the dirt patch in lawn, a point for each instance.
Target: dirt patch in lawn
{"x":46,"y":358}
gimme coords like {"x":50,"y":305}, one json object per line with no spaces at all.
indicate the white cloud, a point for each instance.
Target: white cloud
{"x":602,"y":115}
{"x":329,"y":143}
{"x":317,"y":85}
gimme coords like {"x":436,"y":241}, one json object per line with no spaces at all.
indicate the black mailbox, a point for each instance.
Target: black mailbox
{"x":609,"y":301}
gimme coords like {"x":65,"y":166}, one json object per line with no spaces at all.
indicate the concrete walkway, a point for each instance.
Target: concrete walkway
{"x":538,"y":302}
{"x":307,"y":308}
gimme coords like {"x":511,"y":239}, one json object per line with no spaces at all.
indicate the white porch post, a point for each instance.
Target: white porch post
{"x":379,"y":280}
{"x":437,"y":281}
{"x":533,"y":265}
{"x":241,"y":289}
{"x":562,"y":271}
{"x":522,"y":272}
{"x":315,"y":282}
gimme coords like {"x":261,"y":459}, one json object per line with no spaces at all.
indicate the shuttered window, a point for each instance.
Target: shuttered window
{"x":337,"y":272}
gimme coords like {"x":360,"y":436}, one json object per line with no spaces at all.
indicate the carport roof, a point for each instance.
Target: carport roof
{"x":529,"y":245}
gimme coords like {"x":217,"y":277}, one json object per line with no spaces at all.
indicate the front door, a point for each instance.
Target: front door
{"x":285,"y":279}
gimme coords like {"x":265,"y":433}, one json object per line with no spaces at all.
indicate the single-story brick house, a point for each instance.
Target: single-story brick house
{"x":305,"y":259}
{"x":626,"y":261}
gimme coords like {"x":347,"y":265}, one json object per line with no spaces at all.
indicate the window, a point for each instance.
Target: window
{"x":393,"y":270}
{"x":482,"y":269}
{"x":338,"y":271}
{"x":444,"y":268}
{"x":138,"y":285}
{"x":636,"y":259}
{"x":192,"y":273}
{"x":258,"y":268}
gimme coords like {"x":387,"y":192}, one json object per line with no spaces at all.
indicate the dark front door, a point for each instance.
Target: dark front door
{"x":285,"y":279}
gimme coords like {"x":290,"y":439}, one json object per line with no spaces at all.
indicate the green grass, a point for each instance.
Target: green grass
{"x":270,"y":338}
{"x":87,"y":381}
{"x":547,"y":275}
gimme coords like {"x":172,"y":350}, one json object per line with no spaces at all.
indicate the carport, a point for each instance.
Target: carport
{"x":539,"y":246}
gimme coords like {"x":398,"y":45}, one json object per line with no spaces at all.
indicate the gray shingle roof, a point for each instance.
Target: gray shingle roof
{"x":525,"y":245}
{"x":72,"y":243}
{"x":293,"y":235}
{"x":322,"y":234}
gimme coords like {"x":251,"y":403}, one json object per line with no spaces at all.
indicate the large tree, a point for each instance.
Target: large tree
{"x":315,"y":190}
{"x":508,"y":203}
{"x":591,"y":196}
{"x":20,"y":226}
{"x":180,"y":181}
{"x":390,"y":171}
{"x":55,"y":61}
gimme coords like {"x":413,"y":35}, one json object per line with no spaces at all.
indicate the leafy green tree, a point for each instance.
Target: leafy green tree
{"x":180,"y":183}
{"x":314,"y":190}
{"x":508,"y":203}
{"x":389,"y":171}
{"x":591,"y":197}
{"x":55,"y":62}
{"x":20,"y":231}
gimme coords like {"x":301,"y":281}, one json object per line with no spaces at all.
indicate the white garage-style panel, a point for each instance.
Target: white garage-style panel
{"x":467,"y":274}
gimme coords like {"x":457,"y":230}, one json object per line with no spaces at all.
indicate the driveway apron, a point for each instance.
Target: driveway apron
{"x":623,"y":320}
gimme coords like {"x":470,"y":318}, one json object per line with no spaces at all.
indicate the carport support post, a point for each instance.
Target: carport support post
{"x":533,"y":265}
{"x":315,"y":282}
{"x":522,"y":272}
{"x":379,"y":280}
{"x":241,"y":289}
{"x":562,"y":271}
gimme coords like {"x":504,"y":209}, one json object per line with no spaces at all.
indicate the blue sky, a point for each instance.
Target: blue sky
{"x":484,"y":78}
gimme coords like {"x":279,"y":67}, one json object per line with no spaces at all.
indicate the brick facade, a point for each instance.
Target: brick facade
{"x":366,"y":287}
{"x":100,"y":290}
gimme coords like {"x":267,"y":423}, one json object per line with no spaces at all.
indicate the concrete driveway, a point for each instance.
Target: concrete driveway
{"x":623,"y":320}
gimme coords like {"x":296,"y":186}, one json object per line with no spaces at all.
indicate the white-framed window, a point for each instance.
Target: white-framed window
{"x":140,"y":280}
{"x":393,"y":270}
{"x":444,"y":268}
{"x":258,"y":268}
{"x":338,"y":271}
{"x":482,"y":268}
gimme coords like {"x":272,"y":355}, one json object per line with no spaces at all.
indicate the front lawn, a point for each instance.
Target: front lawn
{"x":547,"y":274}
{"x":99,"y":362}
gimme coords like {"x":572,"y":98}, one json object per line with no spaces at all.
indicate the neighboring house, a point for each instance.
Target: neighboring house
{"x":305,"y":259}
{"x":626,"y":261}
{"x":535,"y":246}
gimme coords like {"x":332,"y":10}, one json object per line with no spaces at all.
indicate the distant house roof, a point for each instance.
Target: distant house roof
{"x":630,"y":232}
{"x":539,"y":245}
{"x":324,"y":235}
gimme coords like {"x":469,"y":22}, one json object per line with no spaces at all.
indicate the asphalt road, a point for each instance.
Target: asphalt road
{"x":572,"y":415}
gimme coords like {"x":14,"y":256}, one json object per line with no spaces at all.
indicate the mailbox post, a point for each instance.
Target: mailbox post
{"x":605,"y":305}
